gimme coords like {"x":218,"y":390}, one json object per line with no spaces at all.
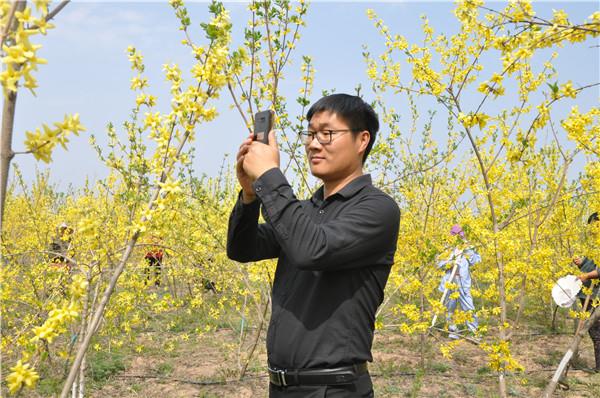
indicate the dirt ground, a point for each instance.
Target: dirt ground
{"x":199,"y":369}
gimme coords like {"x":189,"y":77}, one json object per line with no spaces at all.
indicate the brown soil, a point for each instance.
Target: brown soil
{"x":199,"y":369}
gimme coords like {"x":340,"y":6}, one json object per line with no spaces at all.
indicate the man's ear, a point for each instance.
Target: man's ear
{"x":364,"y":137}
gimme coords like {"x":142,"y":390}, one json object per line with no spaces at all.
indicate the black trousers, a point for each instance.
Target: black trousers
{"x":594,"y":333}
{"x":361,"y":388}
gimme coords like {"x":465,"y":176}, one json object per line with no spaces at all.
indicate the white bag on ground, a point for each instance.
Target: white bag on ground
{"x":565,"y":291}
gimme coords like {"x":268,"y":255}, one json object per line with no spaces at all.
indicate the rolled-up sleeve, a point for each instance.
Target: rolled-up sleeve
{"x":362,"y":235}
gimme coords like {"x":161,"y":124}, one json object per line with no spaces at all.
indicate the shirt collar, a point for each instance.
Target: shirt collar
{"x":351,"y":189}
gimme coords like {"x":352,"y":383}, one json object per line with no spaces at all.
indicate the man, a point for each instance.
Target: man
{"x":335,"y":251}
{"x":462,"y":258}
{"x":590,"y":271}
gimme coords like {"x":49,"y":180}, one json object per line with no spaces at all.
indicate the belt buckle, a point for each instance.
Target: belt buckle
{"x":281,"y":382}
{"x":281,"y":375}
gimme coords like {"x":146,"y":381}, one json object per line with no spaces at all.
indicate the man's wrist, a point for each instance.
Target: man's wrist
{"x":265,"y":170}
{"x":248,"y":198}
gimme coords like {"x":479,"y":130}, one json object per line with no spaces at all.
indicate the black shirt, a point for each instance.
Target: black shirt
{"x":335,"y":256}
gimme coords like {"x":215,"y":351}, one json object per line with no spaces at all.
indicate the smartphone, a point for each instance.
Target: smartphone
{"x":263,"y":123}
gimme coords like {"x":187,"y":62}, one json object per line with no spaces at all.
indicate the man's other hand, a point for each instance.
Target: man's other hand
{"x":260,"y":157}
{"x":248,"y":194}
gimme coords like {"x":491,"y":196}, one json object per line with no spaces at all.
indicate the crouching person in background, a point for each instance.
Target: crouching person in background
{"x":154,"y":259}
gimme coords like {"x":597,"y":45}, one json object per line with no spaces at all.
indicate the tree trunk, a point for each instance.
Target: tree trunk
{"x":78,"y":362}
{"x":81,"y":387}
{"x":8,"y":121}
{"x":256,"y":340}
{"x":573,"y":347}
{"x":6,"y":152}
{"x":422,"y":335}
{"x":503,"y":316}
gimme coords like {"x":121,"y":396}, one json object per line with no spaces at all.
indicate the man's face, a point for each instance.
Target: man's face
{"x":342,"y":156}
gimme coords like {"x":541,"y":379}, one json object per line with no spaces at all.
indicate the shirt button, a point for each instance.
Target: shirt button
{"x":321,"y":211}
{"x":258,"y":189}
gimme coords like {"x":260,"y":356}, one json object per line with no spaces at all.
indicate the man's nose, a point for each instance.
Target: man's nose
{"x":314,"y":143}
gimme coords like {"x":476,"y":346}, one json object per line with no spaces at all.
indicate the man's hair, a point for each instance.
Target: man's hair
{"x":355,"y":112}
{"x":593,"y":217}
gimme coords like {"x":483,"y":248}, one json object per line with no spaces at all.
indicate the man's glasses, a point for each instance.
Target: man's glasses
{"x":323,"y":136}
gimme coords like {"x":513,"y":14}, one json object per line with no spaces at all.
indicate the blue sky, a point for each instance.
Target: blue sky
{"x":88,"y":72}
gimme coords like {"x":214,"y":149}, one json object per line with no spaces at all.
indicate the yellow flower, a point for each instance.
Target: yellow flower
{"x":471,"y":120}
{"x":16,"y":54}
{"x":22,"y":375}
{"x":170,"y":186}
{"x":138,"y":83}
{"x":567,"y":90}
{"x":78,"y":286}
{"x":24,"y":16}
{"x":43,"y":25}
{"x":9,"y":78}
{"x":560,"y":17}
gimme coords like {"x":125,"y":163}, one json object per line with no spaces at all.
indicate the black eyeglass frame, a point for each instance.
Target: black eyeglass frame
{"x":307,"y":136}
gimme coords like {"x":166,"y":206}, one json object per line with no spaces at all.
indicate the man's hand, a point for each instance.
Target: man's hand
{"x":253,"y":159}
{"x":260,"y":157}
{"x":589,"y":275}
{"x":248,"y":194}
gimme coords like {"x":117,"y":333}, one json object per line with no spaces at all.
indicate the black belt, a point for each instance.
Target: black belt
{"x":316,"y":377}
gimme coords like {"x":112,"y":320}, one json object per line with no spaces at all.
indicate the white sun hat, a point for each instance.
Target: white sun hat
{"x":565,"y":290}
